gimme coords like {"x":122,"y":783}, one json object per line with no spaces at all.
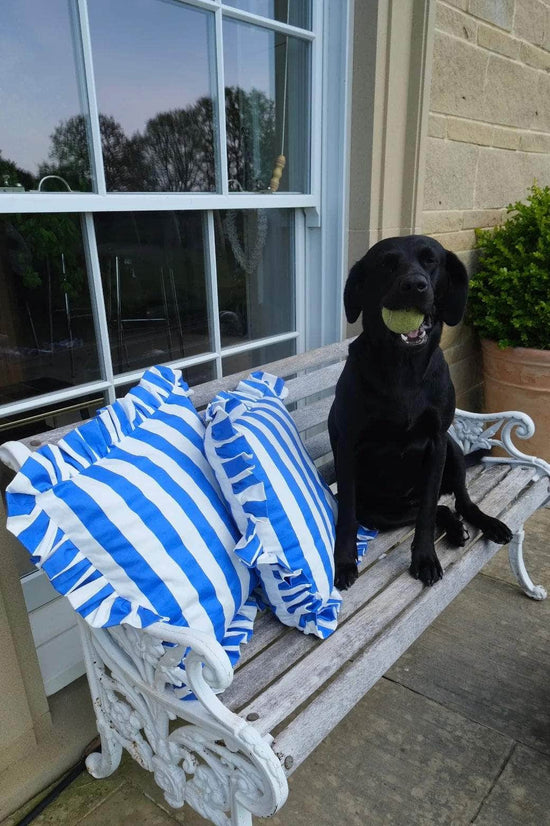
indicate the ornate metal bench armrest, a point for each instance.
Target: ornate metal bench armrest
{"x":483,"y":431}
{"x":215,"y":760}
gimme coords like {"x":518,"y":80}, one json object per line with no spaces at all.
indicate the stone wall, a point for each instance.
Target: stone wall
{"x":489,"y":133}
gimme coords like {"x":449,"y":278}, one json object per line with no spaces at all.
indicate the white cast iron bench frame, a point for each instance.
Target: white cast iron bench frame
{"x":228,"y":753}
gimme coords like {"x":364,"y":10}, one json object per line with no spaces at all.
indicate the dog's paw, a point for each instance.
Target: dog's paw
{"x":345,"y":576}
{"x":426,"y":568}
{"x":456,"y":532}
{"x":496,"y":531}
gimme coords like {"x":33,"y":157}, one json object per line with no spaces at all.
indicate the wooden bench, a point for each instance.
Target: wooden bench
{"x":228,"y":753}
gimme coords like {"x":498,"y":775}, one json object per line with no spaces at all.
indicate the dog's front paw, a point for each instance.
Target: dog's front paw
{"x":426,"y":567}
{"x":496,"y":531}
{"x":345,"y":575}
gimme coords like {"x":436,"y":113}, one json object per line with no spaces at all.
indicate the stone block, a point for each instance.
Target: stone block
{"x":456,"y":241}
{"x":510,"y":95}
{"x":506,"y":138}
{"x":531,"y":21}
{"x":450,"y":175}
{"x":542,"y":112}
{"x":458,"y":74}
{"x":532,"y":56}
{"x":438,"y":222}
{"x":483,"y":218}
{"x":469,"y":131}
{"x":535,"y":142}
{"x":497,"y":41}
{"x":503,"y":177}
{"x":460,"y":4}
{"x":437,"y":126}
{"x":499,"y":12}
{"x":455,"y":23}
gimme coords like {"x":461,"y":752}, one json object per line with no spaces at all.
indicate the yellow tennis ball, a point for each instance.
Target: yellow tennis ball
{"x":402,"y":321}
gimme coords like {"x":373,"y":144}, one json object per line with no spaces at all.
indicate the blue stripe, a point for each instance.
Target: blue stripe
{"x":115,"y":544}
{"x":299,"y":459}
{"x":283,"y":527}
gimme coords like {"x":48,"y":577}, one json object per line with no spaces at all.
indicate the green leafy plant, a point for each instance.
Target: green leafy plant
{"x":509,"y":298}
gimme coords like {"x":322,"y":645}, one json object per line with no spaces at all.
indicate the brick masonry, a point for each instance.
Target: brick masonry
{"x":489,"y":134}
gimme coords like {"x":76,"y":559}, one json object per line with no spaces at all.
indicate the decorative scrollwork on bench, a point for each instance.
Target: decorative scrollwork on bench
{"x":214,"y":757}
{"x":483,"y":431}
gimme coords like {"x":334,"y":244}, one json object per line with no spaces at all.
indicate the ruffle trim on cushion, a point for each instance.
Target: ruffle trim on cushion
{"x":69,"y":571}
{"x":238,"y":466}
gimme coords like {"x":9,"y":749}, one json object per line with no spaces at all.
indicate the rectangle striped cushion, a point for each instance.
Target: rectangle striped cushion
{"x":283,"y":508}
{"x":126,"y":518}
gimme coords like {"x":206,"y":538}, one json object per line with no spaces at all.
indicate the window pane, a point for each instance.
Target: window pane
{"x":47,"y":339}
{"x":255,"y":264}
{"x":263,"y":355}
{"x":152,"y":267}
{"x":267,"y":107}
{"x":155,"y":80}
{"x":295,"y":12}
{"x":42,"y":126}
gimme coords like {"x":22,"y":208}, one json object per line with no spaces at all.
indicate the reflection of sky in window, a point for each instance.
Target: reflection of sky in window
{"x":38,"y":86}
{"x":249,"y":57}
{"x":150,"y":58}
{"x":157,"y":58}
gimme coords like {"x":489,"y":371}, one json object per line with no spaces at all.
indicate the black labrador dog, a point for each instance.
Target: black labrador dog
{"x":393,"y":405}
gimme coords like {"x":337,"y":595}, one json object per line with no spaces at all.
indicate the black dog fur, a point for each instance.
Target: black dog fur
{"x":393,"y":405}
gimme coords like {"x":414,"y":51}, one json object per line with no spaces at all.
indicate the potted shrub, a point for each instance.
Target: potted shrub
{"x":509,"y":305}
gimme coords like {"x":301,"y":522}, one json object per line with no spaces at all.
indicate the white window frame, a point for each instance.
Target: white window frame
{"x":320,"y":214}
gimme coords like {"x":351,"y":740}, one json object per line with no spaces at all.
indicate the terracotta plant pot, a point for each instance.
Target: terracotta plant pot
{"x":518,"y":378}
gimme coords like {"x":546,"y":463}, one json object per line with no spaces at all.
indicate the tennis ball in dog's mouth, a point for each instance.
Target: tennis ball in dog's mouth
{"x":402,"y":321}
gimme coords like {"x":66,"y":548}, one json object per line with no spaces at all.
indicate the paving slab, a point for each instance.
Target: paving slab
{"x":487,"y":657}
{"x":522,"y":793}
{"x":397,"y":758}
{"x":76,"y":801}
{"x":127,"y":807}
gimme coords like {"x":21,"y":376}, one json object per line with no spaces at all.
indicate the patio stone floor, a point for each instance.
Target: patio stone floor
{"x":457,"y":732}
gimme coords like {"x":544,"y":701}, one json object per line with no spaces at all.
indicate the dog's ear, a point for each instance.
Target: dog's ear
{"x":352,"y":291}
{"x":452,"y":302}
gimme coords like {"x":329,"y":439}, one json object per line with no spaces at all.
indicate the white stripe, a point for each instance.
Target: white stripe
{"x":292,"y":508}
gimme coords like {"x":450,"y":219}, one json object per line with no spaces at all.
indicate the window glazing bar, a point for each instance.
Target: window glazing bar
{"x":267,"y":23}
{"x":151,"y":201}
{"x":96,"y":154}
{"x":98,"y":302}
{"x":53,"y":398}
{"x":300,"y":277}
{"x":221,"y":132}
{"x":211,"y":271}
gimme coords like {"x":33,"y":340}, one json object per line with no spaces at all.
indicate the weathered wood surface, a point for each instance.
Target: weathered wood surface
{"x":307,"y":730}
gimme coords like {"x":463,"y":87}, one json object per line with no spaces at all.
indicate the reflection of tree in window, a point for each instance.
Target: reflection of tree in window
{"x":174,"y":153}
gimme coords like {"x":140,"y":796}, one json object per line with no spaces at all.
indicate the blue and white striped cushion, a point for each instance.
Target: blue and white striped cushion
{"x":283,"y":508}
{"x":126,"y":518}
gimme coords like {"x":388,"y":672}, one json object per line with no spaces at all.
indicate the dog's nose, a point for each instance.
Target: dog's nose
{"x":414,"y":283}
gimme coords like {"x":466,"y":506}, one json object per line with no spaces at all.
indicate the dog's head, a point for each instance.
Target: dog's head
{"x":406,"y":273}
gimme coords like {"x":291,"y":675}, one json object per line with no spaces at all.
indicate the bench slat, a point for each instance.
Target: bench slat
{"x":288,"y":645}
{"x":313,"y":360}
{"x":312,"y":725}
{"x":307,"y":676}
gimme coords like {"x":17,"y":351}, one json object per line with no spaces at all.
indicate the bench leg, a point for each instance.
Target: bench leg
{"x":515,"y":555}
{"x":239,"y":815}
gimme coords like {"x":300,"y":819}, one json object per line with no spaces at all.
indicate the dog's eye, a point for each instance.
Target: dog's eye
{"x":427,"y":256}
